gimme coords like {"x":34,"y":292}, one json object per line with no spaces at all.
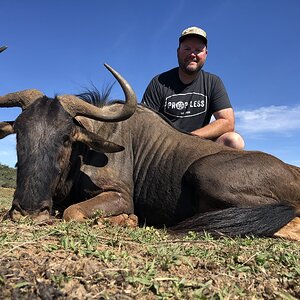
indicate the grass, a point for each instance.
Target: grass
{"x":80,"y":260}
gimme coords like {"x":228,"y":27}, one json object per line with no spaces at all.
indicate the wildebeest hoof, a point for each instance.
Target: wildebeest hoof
{"x":120,"y":220}
{"x":74,"y":213}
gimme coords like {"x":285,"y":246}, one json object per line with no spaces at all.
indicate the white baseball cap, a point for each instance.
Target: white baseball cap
{"x":193,"y":31}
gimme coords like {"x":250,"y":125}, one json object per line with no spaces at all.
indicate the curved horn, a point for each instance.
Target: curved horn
{"x":3,"y":48}
{"x":21,"y":99}
{"x":77,"y":107}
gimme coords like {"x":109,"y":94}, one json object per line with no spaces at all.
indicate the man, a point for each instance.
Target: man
{"x":189,"y":96}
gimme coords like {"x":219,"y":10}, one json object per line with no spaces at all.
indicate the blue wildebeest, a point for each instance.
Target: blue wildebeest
{"x":123,"y":159}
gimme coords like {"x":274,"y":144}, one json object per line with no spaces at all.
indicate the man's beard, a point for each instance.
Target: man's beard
{"x":190,"y":71}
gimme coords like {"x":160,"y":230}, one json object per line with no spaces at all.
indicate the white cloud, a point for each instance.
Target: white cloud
{"x":5,"y":153}
{"x":271,"y":119}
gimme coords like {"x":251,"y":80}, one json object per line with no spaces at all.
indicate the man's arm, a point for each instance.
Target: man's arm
{"x":224,"y":123}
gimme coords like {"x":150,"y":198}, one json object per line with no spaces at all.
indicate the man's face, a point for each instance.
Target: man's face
{"x":191,"y":55}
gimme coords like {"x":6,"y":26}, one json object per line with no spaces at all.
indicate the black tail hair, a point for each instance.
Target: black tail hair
{"x":238,"y":221}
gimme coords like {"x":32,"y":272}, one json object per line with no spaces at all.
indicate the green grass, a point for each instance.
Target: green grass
{"x":69,"y":260}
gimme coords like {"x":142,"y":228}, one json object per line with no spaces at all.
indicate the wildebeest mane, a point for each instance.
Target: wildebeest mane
{"x":94,"y":96}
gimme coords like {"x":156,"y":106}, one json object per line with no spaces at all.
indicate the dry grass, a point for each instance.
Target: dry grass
{"x":83,"y":261}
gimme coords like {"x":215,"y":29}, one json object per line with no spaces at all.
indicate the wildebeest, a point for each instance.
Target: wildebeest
{"x":123,"y":158}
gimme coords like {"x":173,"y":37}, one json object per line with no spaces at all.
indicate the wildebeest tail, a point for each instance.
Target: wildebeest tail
{"x":237,"y":221}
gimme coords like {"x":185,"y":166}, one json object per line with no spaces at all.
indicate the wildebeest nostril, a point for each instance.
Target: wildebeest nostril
{"x":42,"y":217}
{"x":15,"y":213}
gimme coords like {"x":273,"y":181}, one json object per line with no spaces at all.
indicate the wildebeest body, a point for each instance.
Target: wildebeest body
{"x":142,"y":165}
{"x":177,"y":175}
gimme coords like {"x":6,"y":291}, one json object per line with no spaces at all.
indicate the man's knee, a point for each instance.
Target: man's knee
{"x":231,"y":139}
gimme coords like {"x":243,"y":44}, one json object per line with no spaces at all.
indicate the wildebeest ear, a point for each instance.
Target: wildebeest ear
{"x":95,"y":142}
{"x":84,"y":122}
{"x":6,"y":128}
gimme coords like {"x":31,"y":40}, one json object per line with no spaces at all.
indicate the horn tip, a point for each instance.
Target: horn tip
{"x":107,"y":66}
{"x":3,"y":48}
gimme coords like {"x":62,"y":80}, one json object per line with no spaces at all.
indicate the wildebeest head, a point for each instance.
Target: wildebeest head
{"x":46,"y":130}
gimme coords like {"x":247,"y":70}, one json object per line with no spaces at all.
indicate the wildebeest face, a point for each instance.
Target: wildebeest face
{"x":44,"y":140}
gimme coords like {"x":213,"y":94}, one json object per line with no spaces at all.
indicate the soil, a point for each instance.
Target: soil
{"x":113,"y":264}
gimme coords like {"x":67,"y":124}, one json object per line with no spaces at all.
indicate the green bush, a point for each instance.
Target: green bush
{"x":7,"y":176}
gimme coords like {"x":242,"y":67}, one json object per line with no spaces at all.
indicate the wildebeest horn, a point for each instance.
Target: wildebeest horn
{"x":21,"y":99}
{"x":3,"y":48}
{"x":77,"y":107}
{"x":6,"y":128}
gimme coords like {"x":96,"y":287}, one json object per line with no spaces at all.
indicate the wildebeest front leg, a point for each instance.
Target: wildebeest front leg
{"x":111,"y":205}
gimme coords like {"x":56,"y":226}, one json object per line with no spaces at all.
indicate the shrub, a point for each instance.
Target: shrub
{"x":7,"y":176}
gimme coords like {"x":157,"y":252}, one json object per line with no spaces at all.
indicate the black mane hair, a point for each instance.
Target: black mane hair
{"x":94,"y":96}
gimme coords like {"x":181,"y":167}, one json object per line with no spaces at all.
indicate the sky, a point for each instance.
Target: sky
{"x":60,"y":46}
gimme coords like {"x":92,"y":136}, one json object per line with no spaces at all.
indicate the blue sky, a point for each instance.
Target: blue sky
{"x":254,"y":46}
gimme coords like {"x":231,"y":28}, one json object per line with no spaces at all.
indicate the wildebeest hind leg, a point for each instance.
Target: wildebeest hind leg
{"x":290,"y":231}
{"x":106,"y":204}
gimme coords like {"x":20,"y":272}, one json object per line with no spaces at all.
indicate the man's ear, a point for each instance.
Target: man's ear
{"x":177,"y":52}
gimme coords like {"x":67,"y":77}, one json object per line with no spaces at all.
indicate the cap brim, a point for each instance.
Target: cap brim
{"x":195,"y":35}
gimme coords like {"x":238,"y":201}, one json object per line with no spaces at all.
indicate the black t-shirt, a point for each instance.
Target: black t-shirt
{"x":190,"y":106}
